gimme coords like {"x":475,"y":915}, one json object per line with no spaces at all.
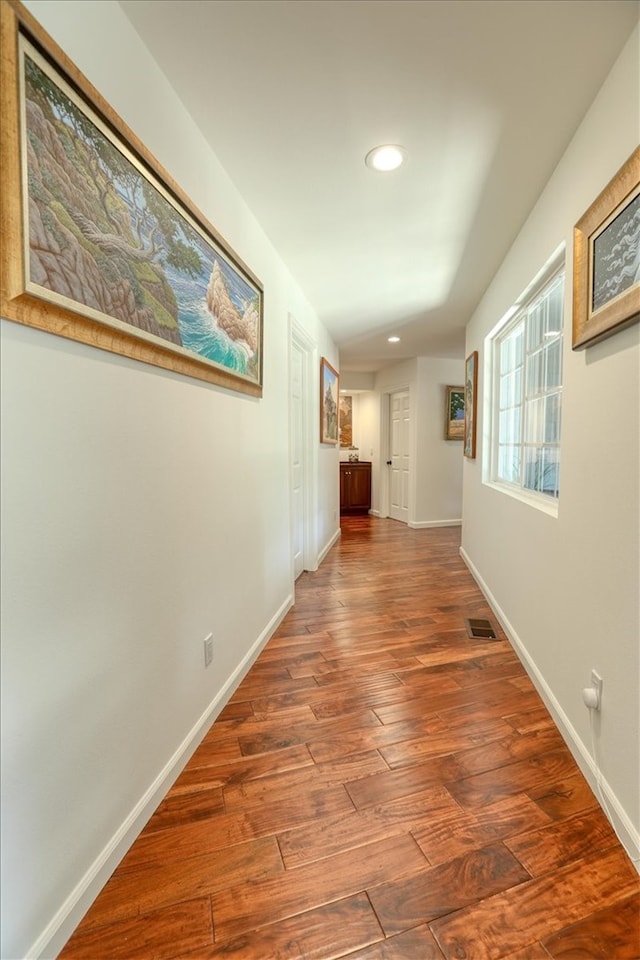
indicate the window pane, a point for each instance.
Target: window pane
{"x":511,"y":349}
{"x":516,"y":414}
{"x":506,"y":391}
{"x":510,"y":389}
{"x":552,"y":419}
{"x":541,"y":470}
{"x":510,"y":425}
{"x":553,"y":358}
{"x":535,"y":374}
{"x":517,"y":385}
{"x":509,"y":464}
{"x":505,"y":434}
{"x":533,"y":468}
{"x":550,"y":478}
{"x":528,"y":391}
{"x":518,"y":344}
{"x":506,"y":355}
{"x":554,"y":312}
{"x":536,"y":325}
{"x":535,"y":421}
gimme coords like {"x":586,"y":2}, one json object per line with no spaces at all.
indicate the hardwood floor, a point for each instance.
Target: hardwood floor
{"x":379,"y":787}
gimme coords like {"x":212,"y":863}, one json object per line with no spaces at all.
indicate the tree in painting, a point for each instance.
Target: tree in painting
{"x":103,"y":236}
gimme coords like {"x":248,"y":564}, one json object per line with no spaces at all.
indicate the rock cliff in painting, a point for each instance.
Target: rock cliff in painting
{"x":83,"y":244}
{"x":241,"y":327}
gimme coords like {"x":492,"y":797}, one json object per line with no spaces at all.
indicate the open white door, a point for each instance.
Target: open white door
{"x":302,"y":457}
{"x":297,"y":459}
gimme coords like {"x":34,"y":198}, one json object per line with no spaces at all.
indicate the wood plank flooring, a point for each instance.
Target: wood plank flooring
{"x":380,"y":787}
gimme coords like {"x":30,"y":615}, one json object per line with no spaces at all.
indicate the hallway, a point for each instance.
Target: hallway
{"x":380,"y":787}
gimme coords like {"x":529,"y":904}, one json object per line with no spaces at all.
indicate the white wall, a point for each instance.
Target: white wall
{"x":365,"y":426}
{"x":567,"y":587}
{"x":141,"y":511}
{"x":436,"y":485}
{"x":399,"y":377}
{"x":438,"y":461}
{"x":367,"y":432}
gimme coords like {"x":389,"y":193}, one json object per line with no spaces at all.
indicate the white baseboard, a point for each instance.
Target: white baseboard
{"x":419,"y":524}
{"x":59,"y":929}
{"x":423,"y":524}
{"x":325,"y":550}
{"x":613,"y":809}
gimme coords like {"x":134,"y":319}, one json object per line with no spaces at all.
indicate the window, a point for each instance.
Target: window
{"x":526,"y":356}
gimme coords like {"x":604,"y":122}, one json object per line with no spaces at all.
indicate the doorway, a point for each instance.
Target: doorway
{"x":399,"y":455}
{"x":302,"y":354}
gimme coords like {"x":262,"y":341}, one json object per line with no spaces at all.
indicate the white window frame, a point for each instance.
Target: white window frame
{"x":521,"y":312}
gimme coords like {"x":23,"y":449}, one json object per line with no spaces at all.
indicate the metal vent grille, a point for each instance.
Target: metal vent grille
{"x":479,"y":629}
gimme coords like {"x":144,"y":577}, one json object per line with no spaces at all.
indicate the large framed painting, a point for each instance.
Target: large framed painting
{"x":606,"y":259}
{"x":329,"y":395}
{"x":99,"y":243}
{"x":454,"y":414}
{"x":470,"y":404}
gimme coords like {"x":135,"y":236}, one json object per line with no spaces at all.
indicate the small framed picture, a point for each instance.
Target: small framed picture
{"x":470,"y":401}
{"x":346,"y":422}
{"x":328,"y":403}
{"x":454,"y":414}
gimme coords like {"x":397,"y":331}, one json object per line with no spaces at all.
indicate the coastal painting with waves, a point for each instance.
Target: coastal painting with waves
{"x":107,"y":239}
{"x":616,"y":255}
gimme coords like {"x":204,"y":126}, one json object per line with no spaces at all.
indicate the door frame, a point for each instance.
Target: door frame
{"x":309,"y":452}
{"x":385,"y":440}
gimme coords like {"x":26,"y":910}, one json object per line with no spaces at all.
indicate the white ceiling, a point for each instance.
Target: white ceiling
{"x":483,"y":94}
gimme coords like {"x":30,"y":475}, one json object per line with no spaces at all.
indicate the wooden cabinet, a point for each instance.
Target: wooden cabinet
{"x":355,"y":487}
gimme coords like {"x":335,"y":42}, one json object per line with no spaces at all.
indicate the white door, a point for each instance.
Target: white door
{"x":399,"y":423}
{"x":297,"y":458}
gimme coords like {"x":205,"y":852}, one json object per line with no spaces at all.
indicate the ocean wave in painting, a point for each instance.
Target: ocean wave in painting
{"x":616,"y":256}
{"x":198,"y":328}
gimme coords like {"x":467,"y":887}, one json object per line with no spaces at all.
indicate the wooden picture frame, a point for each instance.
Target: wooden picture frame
{"x":100,"y":244}
{"x":329,"y":402}
{"x":345,"y":406}
{"x":606,"y":244}
{"x":470,"y":404}
{"x":454,"y":414}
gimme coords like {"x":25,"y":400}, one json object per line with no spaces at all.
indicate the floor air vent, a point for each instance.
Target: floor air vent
{"x":480,"y":630}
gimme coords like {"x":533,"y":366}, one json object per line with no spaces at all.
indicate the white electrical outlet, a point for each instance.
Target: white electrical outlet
{"x":592,"y":696}
{"x":208,"y":650}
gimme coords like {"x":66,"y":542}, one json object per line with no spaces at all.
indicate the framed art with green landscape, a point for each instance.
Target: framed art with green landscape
{"x":454,"y":414}
{"x":470,"y":404}
{"x":100,"y":244}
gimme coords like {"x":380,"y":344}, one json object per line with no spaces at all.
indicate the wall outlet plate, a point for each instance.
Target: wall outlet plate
{"x":596,"y":683}
{"x":208,"y":650}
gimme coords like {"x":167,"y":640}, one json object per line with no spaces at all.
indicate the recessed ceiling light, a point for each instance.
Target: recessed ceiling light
{"x":388,"y":156}
{"x":393,"y":339}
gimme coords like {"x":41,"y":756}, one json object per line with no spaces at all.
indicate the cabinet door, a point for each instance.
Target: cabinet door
{"x":344,"y":488}
{"x":360,"y":487}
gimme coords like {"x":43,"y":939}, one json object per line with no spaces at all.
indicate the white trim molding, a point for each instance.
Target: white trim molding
{"x":57,"y":932}
{"x":614,"y":811}
{"x":423,"y":524}
{"x":325,"y":550}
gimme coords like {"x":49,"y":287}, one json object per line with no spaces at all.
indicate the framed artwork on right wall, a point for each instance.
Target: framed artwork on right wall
{"x":470,"y":404}
{"x":454,"y":414}
{"x":606,"y":257}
